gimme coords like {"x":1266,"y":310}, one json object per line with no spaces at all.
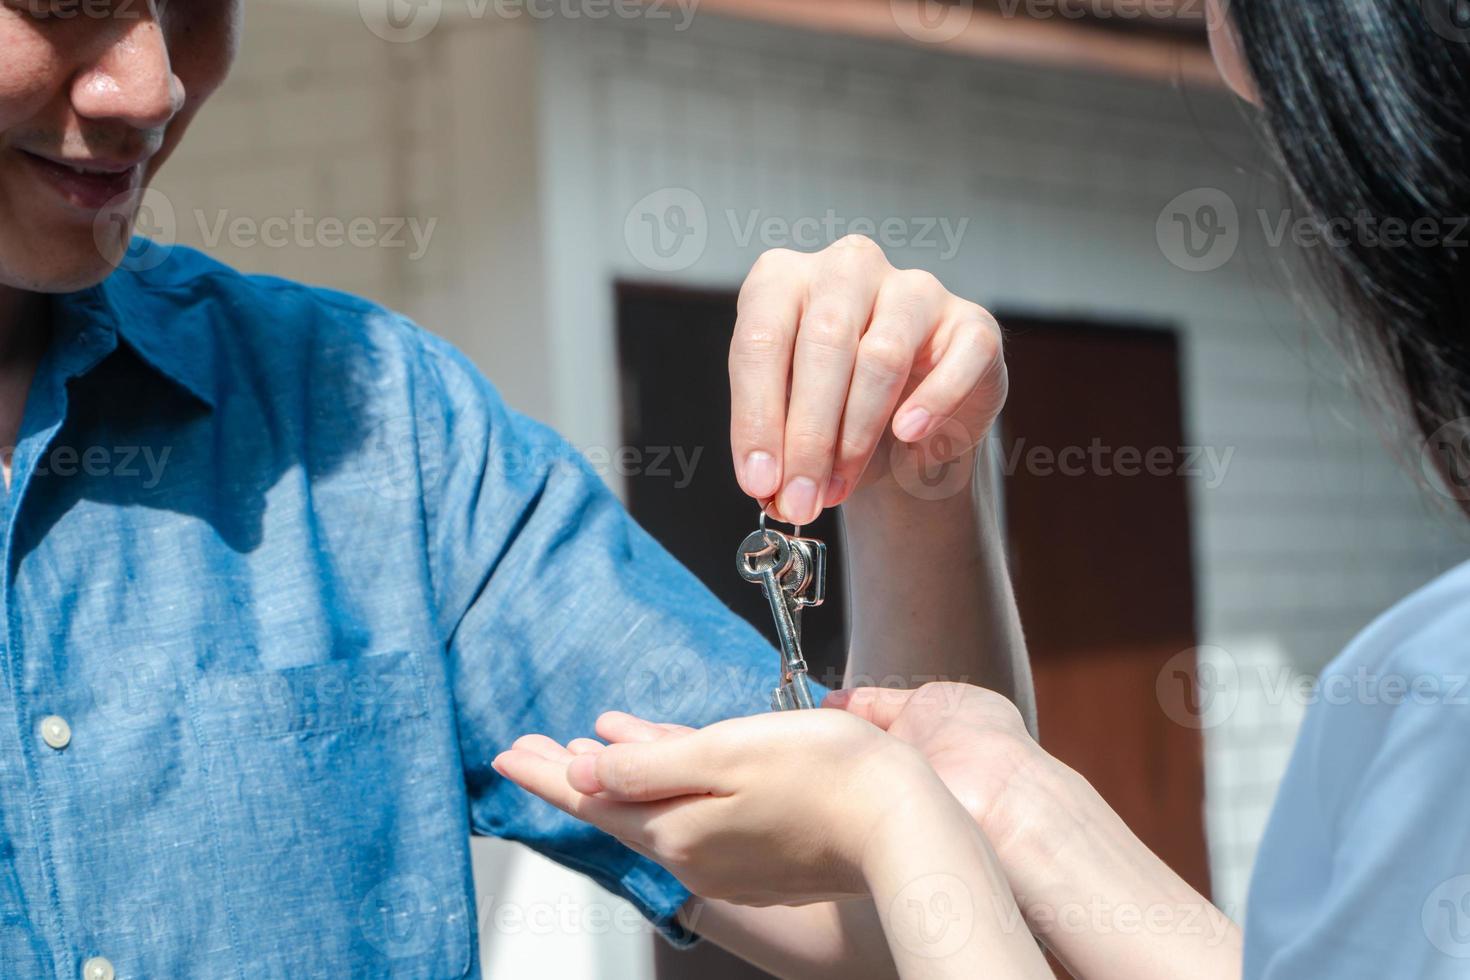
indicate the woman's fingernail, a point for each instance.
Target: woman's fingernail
{"x":582,"y":775}
{"x":799,"y":501}
{"x":836,"y":487}
{"x":911,"y":424}
{"x":760,"y":474}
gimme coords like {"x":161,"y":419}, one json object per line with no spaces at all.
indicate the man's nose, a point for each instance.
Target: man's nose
{"x":132,"y":80}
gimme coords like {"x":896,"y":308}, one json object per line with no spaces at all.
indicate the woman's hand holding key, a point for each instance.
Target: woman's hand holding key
{"x":837,"y":358}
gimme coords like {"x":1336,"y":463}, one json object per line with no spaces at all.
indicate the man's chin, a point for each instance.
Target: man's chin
{"x":55,"y":273}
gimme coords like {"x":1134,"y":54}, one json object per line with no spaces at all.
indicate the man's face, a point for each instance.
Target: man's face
{"x":107,"y":88}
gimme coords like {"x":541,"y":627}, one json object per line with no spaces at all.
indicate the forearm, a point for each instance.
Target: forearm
{"x":1106,"y":905}
{"x":828,"y":941}
{"x":940,"y":906}
{"x":946,"y":906}
{"x":931,"y":594}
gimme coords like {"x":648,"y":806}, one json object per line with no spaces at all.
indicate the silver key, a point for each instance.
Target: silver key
{"x":792,"y":571}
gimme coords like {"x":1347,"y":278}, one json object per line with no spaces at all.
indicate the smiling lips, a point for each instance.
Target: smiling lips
{"x":89,"y":185}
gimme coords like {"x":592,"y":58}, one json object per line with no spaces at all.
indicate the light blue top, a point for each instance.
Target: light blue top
{"x":293,"y":575}
{"x":1364,"y":873}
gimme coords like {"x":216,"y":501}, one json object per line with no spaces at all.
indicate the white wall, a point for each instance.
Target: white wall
{"x":530,"y":144}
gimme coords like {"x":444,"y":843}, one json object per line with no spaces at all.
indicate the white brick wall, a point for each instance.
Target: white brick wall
{"x":529,"y":143}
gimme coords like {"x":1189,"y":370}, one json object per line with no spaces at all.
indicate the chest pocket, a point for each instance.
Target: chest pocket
{"x":337,"y":843}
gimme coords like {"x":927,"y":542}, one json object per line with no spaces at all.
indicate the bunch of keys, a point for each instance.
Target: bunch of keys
{"x":792,"y":571}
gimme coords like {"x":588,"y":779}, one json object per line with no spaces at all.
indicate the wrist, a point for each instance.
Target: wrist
{"x":1057,"y":839}
{"x":911,"y":487}
{"x":919,"y":809}
{"x":1043,"y":814}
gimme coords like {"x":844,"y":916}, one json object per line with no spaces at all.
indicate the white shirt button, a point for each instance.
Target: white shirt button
{"x":98,"y":967}
{"x":57,"y":734}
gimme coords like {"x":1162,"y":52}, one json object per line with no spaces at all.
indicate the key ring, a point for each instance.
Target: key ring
{"x":796,"y":528}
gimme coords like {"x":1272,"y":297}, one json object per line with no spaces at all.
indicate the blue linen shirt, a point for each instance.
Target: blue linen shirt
{"x":293,"y":575}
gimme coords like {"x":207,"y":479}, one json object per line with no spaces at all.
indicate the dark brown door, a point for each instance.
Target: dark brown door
{"x":1097,"y":516}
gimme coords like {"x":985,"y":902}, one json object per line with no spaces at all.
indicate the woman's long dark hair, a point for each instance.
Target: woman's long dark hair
{"x":1367,"y":103}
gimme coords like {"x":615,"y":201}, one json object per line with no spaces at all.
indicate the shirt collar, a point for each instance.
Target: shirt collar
{"x":123,"y":308}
